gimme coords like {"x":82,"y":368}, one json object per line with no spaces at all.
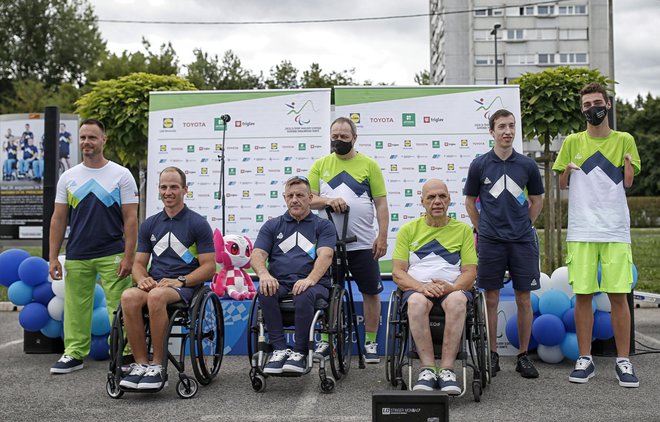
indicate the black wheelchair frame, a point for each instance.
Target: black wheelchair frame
{"x":335,"y":317}
{"x":202,"y":324}
{"x":474,"y":350}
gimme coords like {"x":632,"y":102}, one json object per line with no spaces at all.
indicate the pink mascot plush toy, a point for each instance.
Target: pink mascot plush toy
{"x":233,"y":254}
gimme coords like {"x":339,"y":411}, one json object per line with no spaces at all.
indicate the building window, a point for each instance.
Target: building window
{"x":520,"y":59}
{"x":545,"y":10}
{"x":488,"y":12}
{"x":546,"y":58}
{"x":515,"y":34}
{"x":572,"y":58}
{"x":487,"y":60}
{"x":572,"y":10}
{"x":572,"y":34}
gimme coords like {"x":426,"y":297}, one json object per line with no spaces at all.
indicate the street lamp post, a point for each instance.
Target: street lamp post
{"x":494,"y":34}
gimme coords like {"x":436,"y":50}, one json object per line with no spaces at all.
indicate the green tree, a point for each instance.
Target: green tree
{"x":211,"y":73}
{"x":123,"y":106}
{"x":283,"y":76}
{"x":50,"y":41}
{"x":640,"y":119}
{"x":31,"y":96}
{"x":550,"y":107}
{"x":423,"y":78}
{"x":315,"y":78}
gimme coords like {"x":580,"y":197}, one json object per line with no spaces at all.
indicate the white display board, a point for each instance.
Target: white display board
{"x":423,"y":132}
{"x":272,"y":135}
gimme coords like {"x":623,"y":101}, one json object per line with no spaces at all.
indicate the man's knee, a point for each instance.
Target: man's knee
{"x":158,"y":298}
{"x":418,"y":305}
{"x":454,"y":304}
{"x":132,"y":298}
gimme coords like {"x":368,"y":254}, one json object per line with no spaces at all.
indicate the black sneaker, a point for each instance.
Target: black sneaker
{"x":371,"y":352}
{"x":494,"y":363}
{"x":66,"y":364}
{"x":152,"y":378}
{"x":448,"y":383}
{"x":322,"y":351}
{"x":132,"y":380}
{"x":526,"y":367}
{"x":583,"y":372}
{"x":276,"y":361}
{"x":297,"y":362}
{"x":626,"y":375}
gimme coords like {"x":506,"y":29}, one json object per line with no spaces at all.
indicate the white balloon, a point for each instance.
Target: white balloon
{"x":545,"y":285}
{"x":559,"y":281}
{"x":603,"y":303}
{"x":58,"y":288}
{"x":550,"y":354}
{"x":56,"y":308}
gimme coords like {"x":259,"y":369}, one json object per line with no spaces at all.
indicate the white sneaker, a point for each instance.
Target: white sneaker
{"x":277,"y":359}
{"x":322,"y":351}
{"x":295,"y":363}
{"x":371,"y":352}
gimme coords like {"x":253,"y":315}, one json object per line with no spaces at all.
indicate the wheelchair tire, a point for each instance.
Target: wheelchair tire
{"x":328,"y":385}
{"x":396,"y":343}
{"x":186,"y":388}
{"x":118,"y":342}
{"x":389,"y":338}
{"x":207,"y":337}
{"x":112,"y":388}
{"x":477,"y":390}
{"x":480,"y":340}
{"x":258,"y":383}
{"x":341,"y":334}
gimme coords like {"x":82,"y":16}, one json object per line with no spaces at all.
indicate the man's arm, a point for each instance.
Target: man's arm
{"x":406,"y":282}
{"x":628,"y":171}
{"x":268,"y":284}
{"x":465,"y":281}
{"x":129,"y":214}
{"x":535,"y":206}
{"x":199,"y":275}
{"x":56,"y":237}
{"x":321,"y":264}
{"x":383,"y":218}
{"x":564,"y":177}
{"x":141,"y":277}
{"x":471,"y":207}
{"x":320,"y":203}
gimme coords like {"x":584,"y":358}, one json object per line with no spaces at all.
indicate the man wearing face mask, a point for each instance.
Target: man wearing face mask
{"x":349,"y":178}
{"x":600,"y":163}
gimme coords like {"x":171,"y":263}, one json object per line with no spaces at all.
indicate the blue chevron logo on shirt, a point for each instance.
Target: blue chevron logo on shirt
{"x":599,"y":160}
{"x":506,"y":183}
{"x":358,"y":188}
{"x":92,"y":187}
{"x":297,"y":239}
{"x":436,"y":248}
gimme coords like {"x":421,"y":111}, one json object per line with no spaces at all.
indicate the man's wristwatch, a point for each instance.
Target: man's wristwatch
{"x":182,"y":280}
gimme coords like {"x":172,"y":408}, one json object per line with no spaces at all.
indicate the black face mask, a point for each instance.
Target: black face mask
{"x":340,"y":147}
{"x":595,"y":115}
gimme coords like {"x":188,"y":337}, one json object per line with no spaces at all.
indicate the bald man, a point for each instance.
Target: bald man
{"x":434,"y":263}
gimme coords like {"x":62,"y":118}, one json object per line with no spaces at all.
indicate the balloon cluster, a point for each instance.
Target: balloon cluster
{"x":30,"y":286}
{"x":553,"y":329}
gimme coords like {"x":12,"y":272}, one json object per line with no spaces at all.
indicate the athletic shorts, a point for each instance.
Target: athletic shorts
{"x":436,"y":300}
{"x":365,"y":271}
{"x":186,"y":293}
{"x":615,"y":258}
{"x":520,"y":258}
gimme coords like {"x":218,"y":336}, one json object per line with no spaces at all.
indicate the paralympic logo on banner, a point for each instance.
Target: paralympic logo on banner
{"x":486,"y":108}
{"x":298,"y":116}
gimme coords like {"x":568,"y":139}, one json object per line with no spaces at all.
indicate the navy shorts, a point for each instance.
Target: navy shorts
{"x":520,"y":258}
{"x":436,"y":300}
{"x":365,"y":271}
{"x":186,"y":293}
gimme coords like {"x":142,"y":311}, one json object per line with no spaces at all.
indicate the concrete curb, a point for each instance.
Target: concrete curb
{"x":9,"y":307}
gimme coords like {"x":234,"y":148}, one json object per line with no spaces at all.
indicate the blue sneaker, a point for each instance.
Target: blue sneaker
{"x":297,"y":362}
{"x":371,"y":352}
{"x":134,"y":376}
{"x":322,"y":351}
{"x":584,"y":370}
{"x":276,"y":362}
{"x":66,"y":364}
{"x":448,"y":383}
{"x":152,"y":378}
{"x":626,"y":374}
{"x":427,"y":381}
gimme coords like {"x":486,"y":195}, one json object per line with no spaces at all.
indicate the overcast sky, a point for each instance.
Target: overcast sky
{"x":390,"y":51}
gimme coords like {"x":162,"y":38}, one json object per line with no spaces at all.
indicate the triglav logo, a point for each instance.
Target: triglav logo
{"x":300,"y":112}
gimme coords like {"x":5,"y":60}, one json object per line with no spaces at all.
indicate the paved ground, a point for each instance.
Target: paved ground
{"x":29,"y":392}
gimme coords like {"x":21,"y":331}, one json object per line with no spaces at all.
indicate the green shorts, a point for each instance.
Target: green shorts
{"x":615,"y":260}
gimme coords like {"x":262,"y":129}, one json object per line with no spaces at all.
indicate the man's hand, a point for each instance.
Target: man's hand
{"x":302,"y":285}
{"x":444,"y":285}
{"x":147,"y":284}
{"x":379,"y":247}
{"x":268,"y":285}
{"x":337,"y":204}
{"x":431,"y":289}
{"x":124,"y":268}
{"x":572,"y":166}
{"x":627,"y":157}
{"x":55,"y":269}
{"x":169,"y":282}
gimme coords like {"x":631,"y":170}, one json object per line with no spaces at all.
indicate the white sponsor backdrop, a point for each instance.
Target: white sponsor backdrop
{"x":272,"y":135}
{"x":434,"y":133}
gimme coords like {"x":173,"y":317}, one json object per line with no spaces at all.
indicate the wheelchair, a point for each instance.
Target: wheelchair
{"x":474,"y":349}
{"x":201,"y":330}
{"x":334,"y":317}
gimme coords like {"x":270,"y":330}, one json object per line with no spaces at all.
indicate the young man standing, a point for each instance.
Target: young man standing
{"x":506,"y":236}
{"x":599,"y":164}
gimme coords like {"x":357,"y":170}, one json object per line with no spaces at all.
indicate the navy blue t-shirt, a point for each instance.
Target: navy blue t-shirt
{"x":292,"y":245}
{"x":500,"y":186}
{"x":175,"y":243}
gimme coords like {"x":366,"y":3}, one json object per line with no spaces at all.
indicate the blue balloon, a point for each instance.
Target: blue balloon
{"x":603,"y":326}
{"x":634,"y":275}
{"x":33,"y":317}
{"x":20,"y":293}
{"x":533,"y":297}
{"x":548,"y":329}
{"x":52,"y":328}
{"x":554,"y":302}
{"x":511,"y":331}
{"x":507,"y":290}
{"x":100,"y":349}
{"x":100,"y":322}
{"x":569,"y":320}
{"x":569,"y":346}
{"x":43,"y":293}
{"x":33,"y":270}
{"x":9,"y":262}
{"x":99,"y":297}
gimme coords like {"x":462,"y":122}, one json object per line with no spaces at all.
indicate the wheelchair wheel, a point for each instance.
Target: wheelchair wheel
{"x":477,"y":390}
{"x":328,"y":385}
{"x":341,"y":334}
{"x":118,"y":343}
{"x":112,"y":388}
{"x":186,"y":387}
{"x":258,"y":383}
{"x":207,"y":338}
{"x":389,"y":334}
{"x":397,"y":342}
{"x":480,"y":340}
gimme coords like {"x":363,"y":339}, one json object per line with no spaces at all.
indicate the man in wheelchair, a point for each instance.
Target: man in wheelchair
{"x":299,"y":247}
{"x":180,"y":244}
{"x":434,"y":263}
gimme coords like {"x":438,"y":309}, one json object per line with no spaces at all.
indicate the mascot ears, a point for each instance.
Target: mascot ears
{"x":219,"y":244}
